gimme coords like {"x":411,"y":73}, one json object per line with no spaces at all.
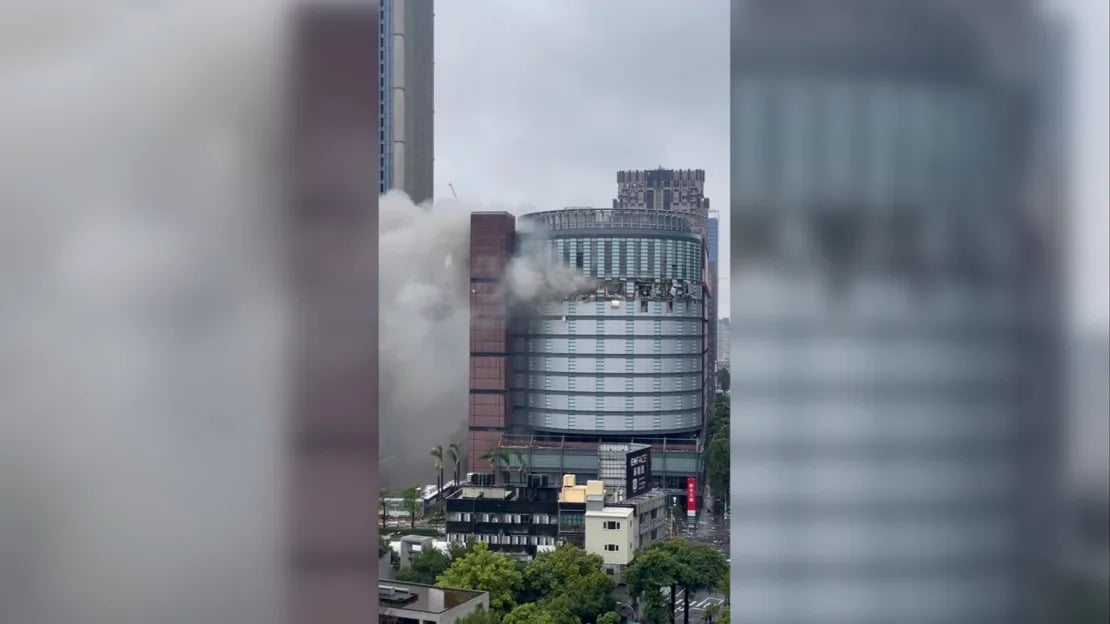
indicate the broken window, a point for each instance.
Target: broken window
{"x":643,"y":305}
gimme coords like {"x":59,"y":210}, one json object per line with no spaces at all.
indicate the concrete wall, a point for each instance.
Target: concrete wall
{"x":597,"y":536}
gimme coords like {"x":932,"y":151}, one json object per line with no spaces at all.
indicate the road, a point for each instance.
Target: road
{"x":699,"y":602}
{"x":710,"y":529}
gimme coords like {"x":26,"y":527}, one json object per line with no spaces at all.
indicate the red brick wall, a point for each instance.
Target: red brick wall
{"x":491,"y":249}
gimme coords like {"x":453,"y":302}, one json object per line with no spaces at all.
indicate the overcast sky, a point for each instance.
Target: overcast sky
{"x":539,"y":103}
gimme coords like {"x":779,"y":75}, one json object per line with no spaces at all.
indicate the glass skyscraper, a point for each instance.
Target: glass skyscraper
{"x":406,"y":87}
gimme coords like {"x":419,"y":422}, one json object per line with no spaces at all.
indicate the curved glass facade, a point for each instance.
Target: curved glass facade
{"x":630,"y":357}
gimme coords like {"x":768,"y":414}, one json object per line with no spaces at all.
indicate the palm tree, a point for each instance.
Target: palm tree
{"x":496,"y":457}
{"x":454,"y":452}
{"x":522,"y":466}
{"x":491,"y":456}
{"x":504,"y":457}
{"x":437,"y":453}
{"x":383,"y":502}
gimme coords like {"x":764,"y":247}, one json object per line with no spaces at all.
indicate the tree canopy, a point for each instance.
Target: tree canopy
{"x":569,"y":571}
{"x":487,"y":571}
{"x":724,"y":379}
{"x":718,"y":456}
{"x":609,"y":617}
{"x":673,"y":562}
{"x":718,"y":466}
{"x":700,"y":565}
{"x":651,"y":571}
{"x":530,"y":613}
{"x":426,"y":567}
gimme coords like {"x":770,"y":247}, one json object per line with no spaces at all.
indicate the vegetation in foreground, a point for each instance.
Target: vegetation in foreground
{"x":568,"y":585}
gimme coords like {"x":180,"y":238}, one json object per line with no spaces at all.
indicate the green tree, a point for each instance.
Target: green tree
{"x":411,"y":499}
{"x":458,"y":549}
{"x":700,"y":567}
{"x":724,"y":380}
{"x":480,"y":616}
{"x":530,"y":613}
{"x":426,"y":567}
{"x":498,"y":462}
{"x":717,"y":466}
{"x":609,"y":617}
{"x":383,"y":546}
{"x":521,"y":466}
{"x":572,"y":572}
{"x":721,"y":415}
{"x":674,"y":563}
{"x":484,"y":570}
{"x":651,"y":571}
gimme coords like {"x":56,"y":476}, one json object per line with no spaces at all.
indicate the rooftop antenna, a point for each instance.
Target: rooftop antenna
{"x":453,"y":193}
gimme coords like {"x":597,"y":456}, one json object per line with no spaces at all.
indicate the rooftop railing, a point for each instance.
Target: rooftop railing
{"x":613,"y":218}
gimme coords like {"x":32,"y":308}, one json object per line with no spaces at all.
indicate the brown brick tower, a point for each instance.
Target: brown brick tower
{"x":491,"y":247}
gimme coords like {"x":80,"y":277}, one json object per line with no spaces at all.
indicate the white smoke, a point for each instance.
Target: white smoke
{"x":424,"y":286}
{"x":534,"y":277}
{"x":141,"y":317}
{"x":424,"y":312}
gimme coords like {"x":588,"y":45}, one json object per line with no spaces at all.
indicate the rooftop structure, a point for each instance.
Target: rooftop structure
{"x":407,"y":603}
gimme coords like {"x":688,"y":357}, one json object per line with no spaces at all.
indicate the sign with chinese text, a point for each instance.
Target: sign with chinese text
{"x":637,"y":472}
{"x":691,"y":496}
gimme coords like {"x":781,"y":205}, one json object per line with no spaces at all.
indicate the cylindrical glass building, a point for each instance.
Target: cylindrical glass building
{"x":627,"y":356}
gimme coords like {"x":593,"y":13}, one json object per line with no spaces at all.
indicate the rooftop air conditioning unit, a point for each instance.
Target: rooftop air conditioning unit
{"x":394,"y":594}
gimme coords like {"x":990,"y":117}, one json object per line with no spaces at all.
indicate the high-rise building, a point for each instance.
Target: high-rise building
{"x":678,"y":190}
{"x":624,"y":361}
{"x":893,"y":323}
{"x":406,"y":85}
{"x":492,"y":242}
{"x":723,"y":347}
{"x":682,"y":191}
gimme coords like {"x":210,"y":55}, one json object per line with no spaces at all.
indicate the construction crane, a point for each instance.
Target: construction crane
{"x":453,"y":193}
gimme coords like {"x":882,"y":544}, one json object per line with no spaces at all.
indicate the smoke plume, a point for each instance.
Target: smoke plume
{"x":425,"y":322}
{"x":424,"y":286}
{"x":533,"y":278}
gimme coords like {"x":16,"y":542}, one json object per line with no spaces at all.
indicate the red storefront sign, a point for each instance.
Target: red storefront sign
{"x":691,"y":496}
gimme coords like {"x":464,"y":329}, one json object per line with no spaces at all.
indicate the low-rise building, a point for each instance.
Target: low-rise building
{"x":649,"y":510}
{"x":611,"y":533}
{"x":572,"y":512}
{"x":596,"y":519}
{"x":412,"y":603}
{"x":510,"y":519}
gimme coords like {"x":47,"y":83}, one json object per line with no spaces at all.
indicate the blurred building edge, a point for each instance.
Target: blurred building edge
{"x":897,"y":315}
{"x":332,"y":247}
